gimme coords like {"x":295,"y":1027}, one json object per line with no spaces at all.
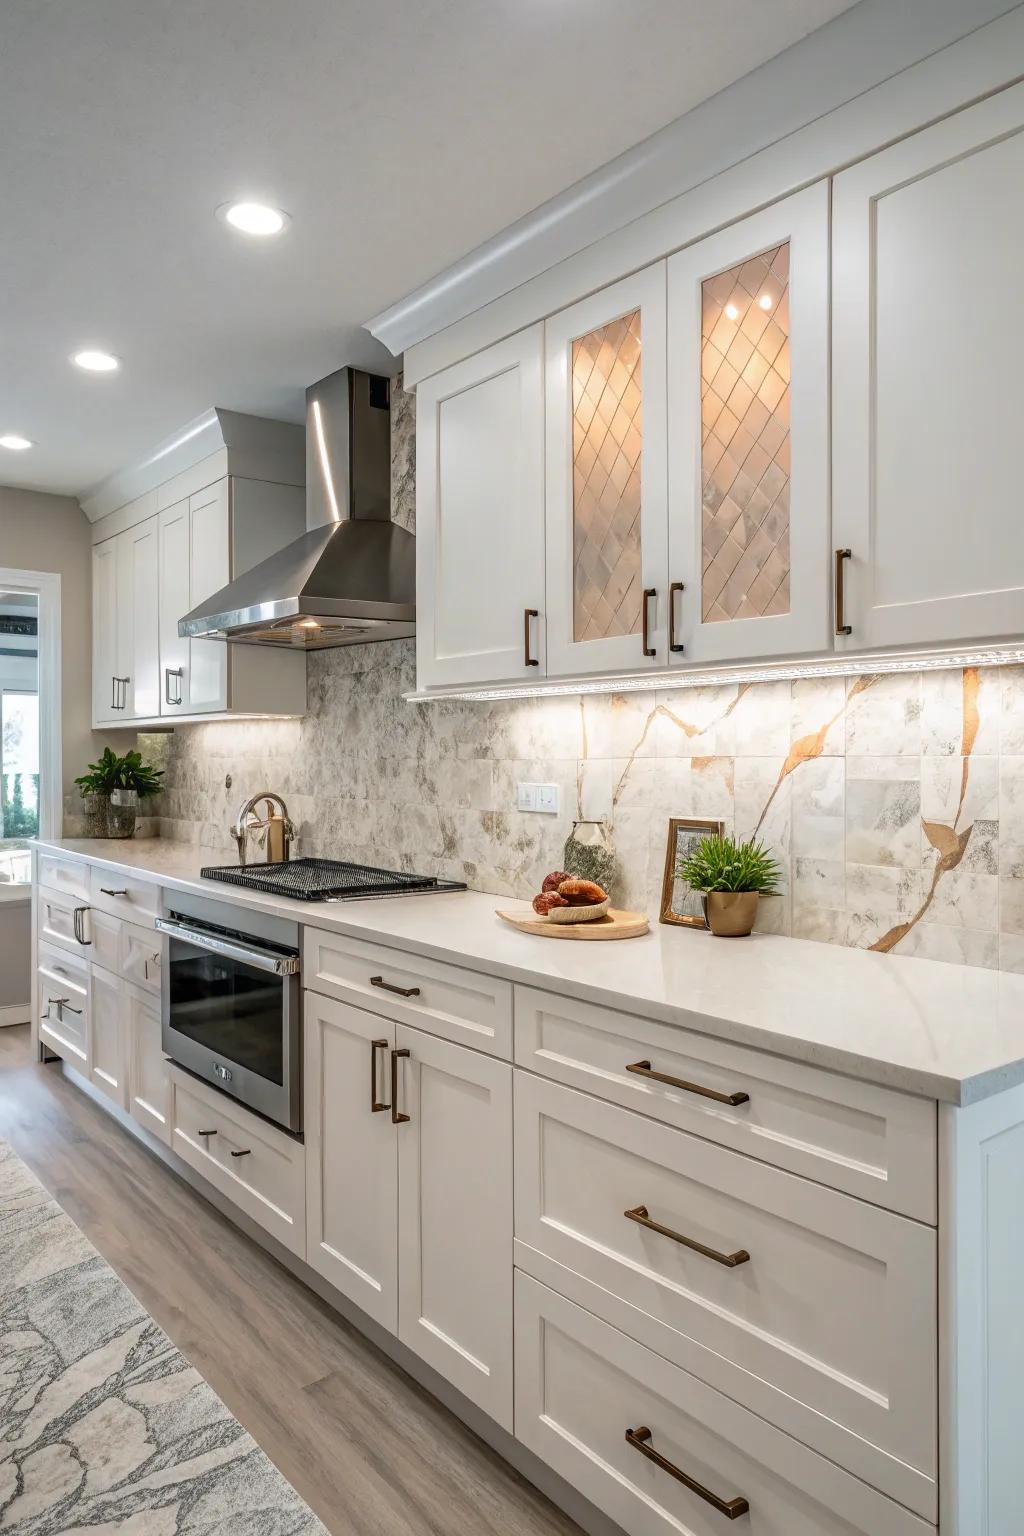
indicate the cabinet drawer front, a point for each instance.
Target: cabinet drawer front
{"x":55,"y":917}
{"x":105,"y":933}
{"x":825,"y":1314}
{"x":443,"y":999}
{"x":580,"y":1385}
{"x":141,"y":956}
{"x":63,"y":982}
{"x":124,"y":895}
{"x":261,"y":1170}
{"x":868,"y":1141}
{"x":68,"y":876}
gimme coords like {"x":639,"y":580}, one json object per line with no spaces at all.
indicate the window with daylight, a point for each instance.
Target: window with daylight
{"x":19,"y":733}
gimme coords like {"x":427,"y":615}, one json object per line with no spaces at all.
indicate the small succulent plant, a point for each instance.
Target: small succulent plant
{"x":720,"y":864}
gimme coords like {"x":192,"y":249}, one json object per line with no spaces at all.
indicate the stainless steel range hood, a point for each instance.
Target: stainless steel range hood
{"x":351,"y":577}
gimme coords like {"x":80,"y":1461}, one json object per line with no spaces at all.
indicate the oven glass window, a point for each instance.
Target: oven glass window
{"x":231,"y":1008}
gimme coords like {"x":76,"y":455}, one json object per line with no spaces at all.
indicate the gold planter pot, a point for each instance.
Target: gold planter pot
{"x":731,"y":914}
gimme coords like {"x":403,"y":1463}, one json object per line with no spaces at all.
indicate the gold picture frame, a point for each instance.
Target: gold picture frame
{"x":679,"y":904}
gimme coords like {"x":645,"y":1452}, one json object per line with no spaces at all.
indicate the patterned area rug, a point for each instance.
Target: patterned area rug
{"x":104,"y":1425}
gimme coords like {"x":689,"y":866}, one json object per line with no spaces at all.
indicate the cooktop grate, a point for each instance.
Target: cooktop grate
{"x":326,"y":880}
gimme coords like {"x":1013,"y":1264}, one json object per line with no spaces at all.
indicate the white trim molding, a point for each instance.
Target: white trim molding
{"x":874,"y":74}
{"x":46,"y":586}
{"x":17,"y":1013}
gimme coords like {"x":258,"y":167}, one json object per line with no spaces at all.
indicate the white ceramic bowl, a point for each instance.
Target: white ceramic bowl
{"x":579,"y":914}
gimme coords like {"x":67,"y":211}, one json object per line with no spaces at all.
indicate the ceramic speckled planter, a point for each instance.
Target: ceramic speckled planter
{"x":731,"y":914}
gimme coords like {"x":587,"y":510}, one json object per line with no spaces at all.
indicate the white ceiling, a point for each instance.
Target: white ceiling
{"x":397,"y":135}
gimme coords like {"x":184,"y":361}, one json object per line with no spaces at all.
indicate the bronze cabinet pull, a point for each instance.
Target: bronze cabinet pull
{"x":245,"y":1152}
{"x":206,"y":1133}
{"x":649,"y":593}
{"x":528,"y":614}
{"x":640,"y":1215}
{"x":643,"y":1069}
{"x":673,"y":643}
{"x":375,"y":1104}
{"x":107,"y":892}
{"x":397,"y":1118}
{"x":640,"y":1440}
{"x":79,"y":925}
{"x":389,"y":986}
{"x":842,"y":628}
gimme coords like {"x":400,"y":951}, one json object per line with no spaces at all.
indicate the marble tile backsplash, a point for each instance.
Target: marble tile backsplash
{"x":894,"y":803}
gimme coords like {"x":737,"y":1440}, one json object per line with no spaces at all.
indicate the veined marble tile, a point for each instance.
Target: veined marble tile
{"x":595,"y":787}
{"x":818,"y":709}
{"x":883,"y":822}
{"x":698,"y":786}
{"x":774,"y":915}
{"x":960,"y":711}
{"x":876,"y":888}
{"x":1011,"y":953}
{"x":761,"y":720}
{"x":960,"y":790}
{"x":1011,"y":799}
{"x":883,"y":715}
{"x":964,"y":946}
{"x":1011,"y":904}
{"x":1011,"y":724}
{"x":818,"y":883}
{"x":826,"y":925}
{"x":697,"y":722}
{"x":763,"y":808}
{"x":818,"y":794}
{"x":619,"y":725}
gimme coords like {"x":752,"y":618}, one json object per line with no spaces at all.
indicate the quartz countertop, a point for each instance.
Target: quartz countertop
{"x":942,"y":1031}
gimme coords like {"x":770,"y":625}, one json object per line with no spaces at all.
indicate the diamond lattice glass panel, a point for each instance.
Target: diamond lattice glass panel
{"x":606,"y":441}
{"x":745,"y":439}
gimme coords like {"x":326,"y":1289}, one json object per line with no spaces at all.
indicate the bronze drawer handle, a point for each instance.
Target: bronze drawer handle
{"x":397,"y":1118}
{"x":842,"y":628}
{"x":648,"y":648}
{"x":375,"y":1104}
{"x":246,"y":1152}
{"x":640,"y":1439}
{"x":78,"y":924}
{"x":673,"y":643}
{"x":107,"y":892}
{"x":644,"y":1069}
{"x":642,"y":1217}
{"x":206,"y":1133}
{"x":528,"y":614}
{"x":389,"y":986}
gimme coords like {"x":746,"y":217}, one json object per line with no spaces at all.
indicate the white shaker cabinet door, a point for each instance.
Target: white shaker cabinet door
{"x":351,"y":1155}
{"x":480,"y":517}
{"x":138,"y":619}
{"x":175,"y":602}
{"x":107,"y":1040}
{"x":606,"y":482}
{"x":149,"y":1082}
{"x":748,"y":437}
{"x":455,"y":1215}
{"x":105,"y":692}
{"x":209,"y":570}
{"x":928,"y":310}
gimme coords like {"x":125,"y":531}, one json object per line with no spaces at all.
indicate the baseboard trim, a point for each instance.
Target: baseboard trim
{"x":15,"y":1013}
{"x":591,"y":1520}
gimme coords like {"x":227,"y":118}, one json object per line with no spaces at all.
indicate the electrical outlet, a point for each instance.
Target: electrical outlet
{"x":543,"y":798}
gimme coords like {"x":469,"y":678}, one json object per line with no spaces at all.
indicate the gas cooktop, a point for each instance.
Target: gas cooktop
{"x":327,"y":880}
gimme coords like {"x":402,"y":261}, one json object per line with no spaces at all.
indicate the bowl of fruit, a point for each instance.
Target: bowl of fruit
{"x":564,"y":898}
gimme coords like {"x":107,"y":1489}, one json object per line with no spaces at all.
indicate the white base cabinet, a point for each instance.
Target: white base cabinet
{"x":149,"y":1082}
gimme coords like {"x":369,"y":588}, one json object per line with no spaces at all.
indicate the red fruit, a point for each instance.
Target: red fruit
{"x":554,"y":880}
{"x":543,"y":903}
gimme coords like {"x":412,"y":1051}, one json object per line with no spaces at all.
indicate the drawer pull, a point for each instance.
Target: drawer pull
{"x":245,"y":1152}
{"x":647,"y":648}
{"x":60,"y":1003}
{"x":206,"y":1133}
{"x":732,"y":1509}
{"x":641,"y":1216}
{"x":375,"y":1104}
{"x":397,"y":1118}
{"x":107,"y":892}
{"x":79,"y":925}
{"x":389,"y":986}
{"x":528,"y":660}
{"x":643,"y":1069}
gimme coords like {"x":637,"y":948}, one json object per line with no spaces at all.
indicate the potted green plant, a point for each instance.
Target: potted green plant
{"x":112,"y":791}
{"x":732,"y":877}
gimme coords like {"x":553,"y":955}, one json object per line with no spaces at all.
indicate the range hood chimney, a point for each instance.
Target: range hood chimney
{"x":351,"y":577}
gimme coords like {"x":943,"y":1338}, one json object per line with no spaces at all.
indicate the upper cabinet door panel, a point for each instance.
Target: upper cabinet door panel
{"x":104,"y":632}
{"x":748,"y":433}
{"x":605,"y":403}
{"x":174,"y":604}
{"x":138,"y":602}
{"x":209,"y":570}
{"x":928,"y":316}
{"x":480,"y":517}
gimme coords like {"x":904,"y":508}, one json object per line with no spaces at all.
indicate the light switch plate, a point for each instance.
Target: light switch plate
{"x":543,"y":798}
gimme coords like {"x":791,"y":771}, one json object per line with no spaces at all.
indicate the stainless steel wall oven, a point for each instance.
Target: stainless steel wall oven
{"x":232,"y":1003}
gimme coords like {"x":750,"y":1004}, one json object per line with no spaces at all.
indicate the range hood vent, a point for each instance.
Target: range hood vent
{"x":351,"y":577}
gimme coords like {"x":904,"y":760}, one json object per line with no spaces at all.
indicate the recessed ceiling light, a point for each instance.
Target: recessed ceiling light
{"x":95,"y":361}
{"x":253,"y":218}
{"x":15,"y":442}
{"x":765,"y":301}
{"x":731,"y":312}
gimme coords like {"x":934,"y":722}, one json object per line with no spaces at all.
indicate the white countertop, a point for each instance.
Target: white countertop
{"x":950,"y":1032}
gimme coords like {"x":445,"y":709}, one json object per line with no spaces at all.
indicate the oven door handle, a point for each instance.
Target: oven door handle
{"x":231,"y":949}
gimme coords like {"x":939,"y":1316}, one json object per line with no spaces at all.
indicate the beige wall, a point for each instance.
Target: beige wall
{"x":39,"y":532}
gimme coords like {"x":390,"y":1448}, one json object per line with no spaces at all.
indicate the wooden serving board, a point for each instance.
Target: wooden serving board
{"x":614,"y":925}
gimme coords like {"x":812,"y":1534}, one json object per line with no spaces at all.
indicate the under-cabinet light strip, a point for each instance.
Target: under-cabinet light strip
{"x":847,"y":666}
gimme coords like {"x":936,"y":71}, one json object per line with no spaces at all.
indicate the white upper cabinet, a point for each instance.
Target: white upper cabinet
{"x":105,"y":691}
{"x":928,"y":310}
{"x":480,"y":517}
{"x":209,"y":570}
{"x":138,"y":620}
{"x":606,"y":480}
{"x":175,"y":655}
{"x":748,"y":434}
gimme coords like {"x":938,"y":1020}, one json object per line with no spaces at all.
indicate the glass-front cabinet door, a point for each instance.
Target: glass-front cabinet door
{"x":748,"y":437}
{"x":605,"y":480}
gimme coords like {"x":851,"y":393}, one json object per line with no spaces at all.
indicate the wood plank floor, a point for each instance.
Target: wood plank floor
{"x":370,"y":1451}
